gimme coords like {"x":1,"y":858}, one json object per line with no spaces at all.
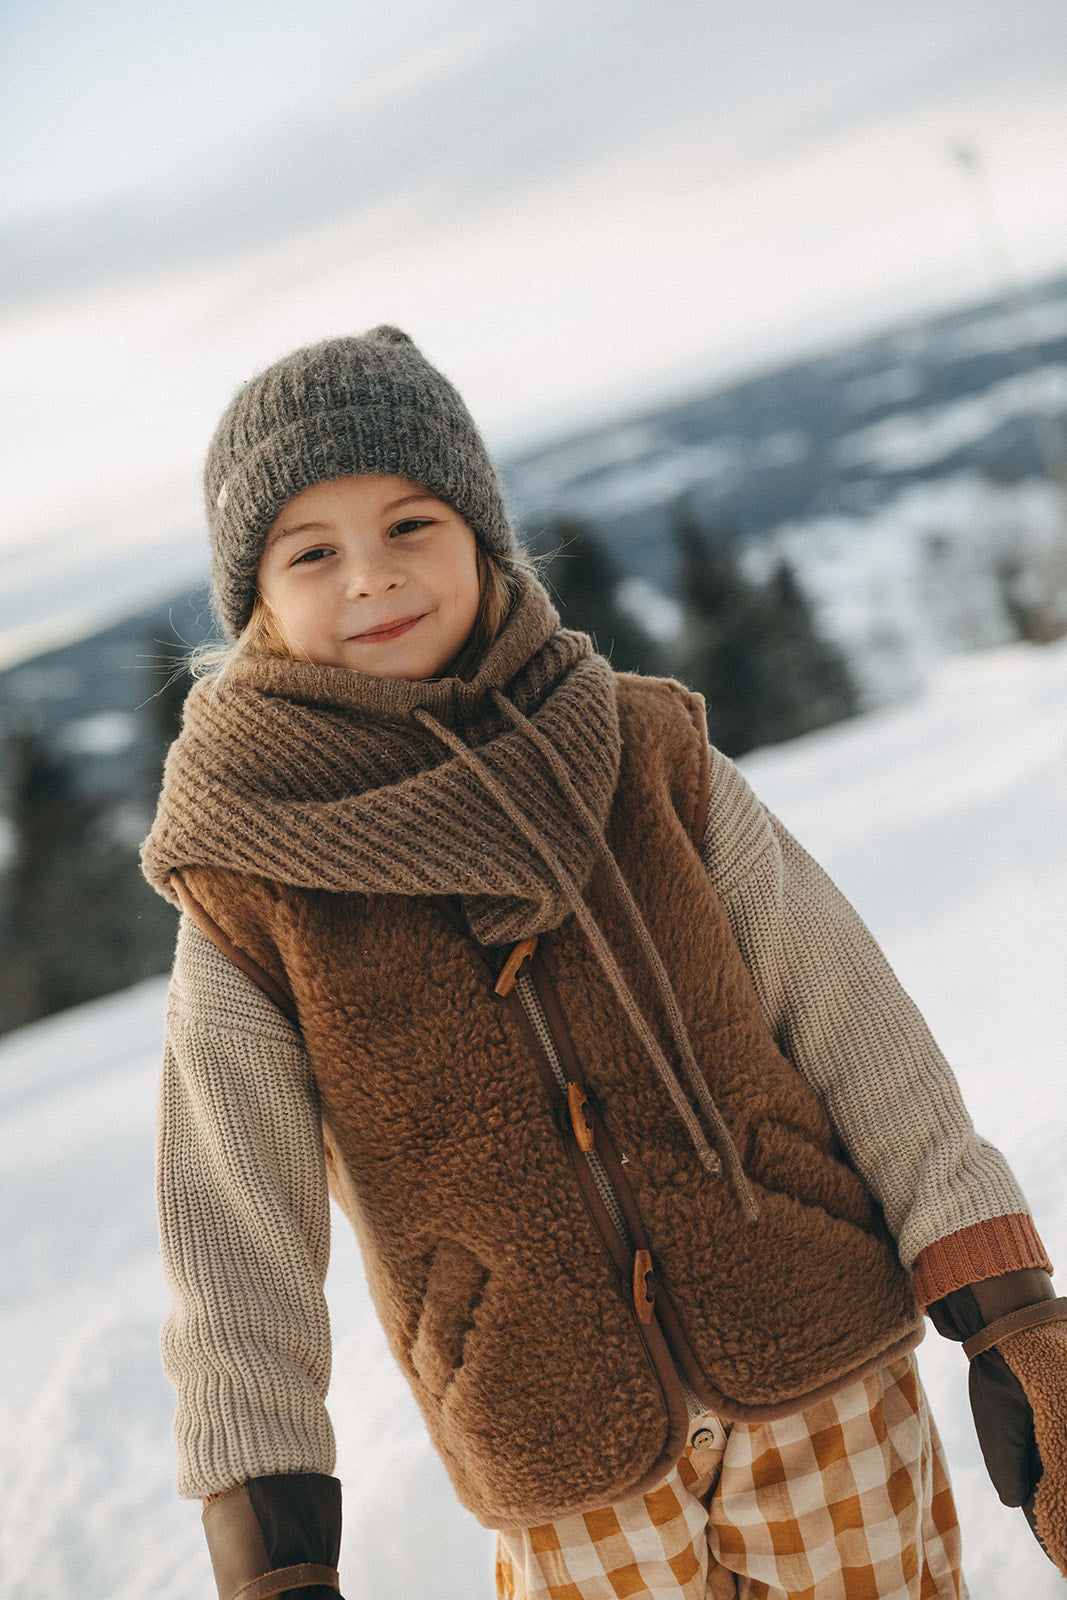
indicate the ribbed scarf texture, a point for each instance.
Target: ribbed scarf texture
{"x":328,"y":779}
{"x":325,"y":779}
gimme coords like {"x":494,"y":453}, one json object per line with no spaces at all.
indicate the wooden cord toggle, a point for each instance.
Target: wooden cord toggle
{"x":644,"y":1286}
{"x":510,"y":970}
{"x":581,"y":1117}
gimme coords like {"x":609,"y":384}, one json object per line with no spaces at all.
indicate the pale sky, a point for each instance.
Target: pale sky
{"x":103,"y":98}
{"x":134,"y":134}
{"x":575,"y":210}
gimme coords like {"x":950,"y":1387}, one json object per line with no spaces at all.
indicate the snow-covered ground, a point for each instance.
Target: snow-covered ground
{"x":944,"y":822}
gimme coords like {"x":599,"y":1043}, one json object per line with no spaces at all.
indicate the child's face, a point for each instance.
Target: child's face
{"x":344,"y":556}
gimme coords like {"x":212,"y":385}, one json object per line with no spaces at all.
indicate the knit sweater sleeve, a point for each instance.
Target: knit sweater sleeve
{"x":244,"y":1225}
{"x":839,"y":1013}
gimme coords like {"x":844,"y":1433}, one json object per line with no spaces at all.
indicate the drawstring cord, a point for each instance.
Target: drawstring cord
{"x":723,"y":1138}
{"x":712,"y":1160}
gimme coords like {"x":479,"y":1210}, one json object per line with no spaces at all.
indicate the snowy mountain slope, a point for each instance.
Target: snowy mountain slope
{"x":943,"y":820}
{"x":577,"y":273}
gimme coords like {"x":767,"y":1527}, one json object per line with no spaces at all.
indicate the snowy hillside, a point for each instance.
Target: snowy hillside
{"x":943,"y":820}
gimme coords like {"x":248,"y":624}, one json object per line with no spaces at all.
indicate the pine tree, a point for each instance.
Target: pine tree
{"x":715,"y":651}
{"x":752,"y":649}
{"x":49,"y":825}
{"x":584,"y":581}
{"x":78,"y":920}
{"x":812,"y":683}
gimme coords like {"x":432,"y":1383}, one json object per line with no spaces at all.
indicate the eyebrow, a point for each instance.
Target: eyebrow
{"x":310,"y":527}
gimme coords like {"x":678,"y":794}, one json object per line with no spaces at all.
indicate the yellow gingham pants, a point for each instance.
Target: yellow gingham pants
{"x":847,"y":1500}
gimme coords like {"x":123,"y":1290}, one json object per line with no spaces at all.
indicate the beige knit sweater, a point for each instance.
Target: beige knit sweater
{"x":244,"y":1211}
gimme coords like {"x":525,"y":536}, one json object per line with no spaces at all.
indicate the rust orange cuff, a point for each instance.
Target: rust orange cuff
{"x":984,"y":1250}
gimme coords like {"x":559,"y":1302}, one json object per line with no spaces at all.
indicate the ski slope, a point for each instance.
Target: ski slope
{"x":943,"y":820}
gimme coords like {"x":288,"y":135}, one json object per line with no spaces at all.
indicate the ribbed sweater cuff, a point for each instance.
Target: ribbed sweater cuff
{"x":984,"y":1250}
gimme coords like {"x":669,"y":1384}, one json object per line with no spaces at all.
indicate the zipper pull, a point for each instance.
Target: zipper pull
{"x":644,"y":1286}
{"x":581,"y":1117}
{"x":510,"y":970}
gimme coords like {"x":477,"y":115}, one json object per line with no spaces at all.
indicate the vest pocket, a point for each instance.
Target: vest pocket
{"x":454,"y":1290}
{"x":787,"y":1160}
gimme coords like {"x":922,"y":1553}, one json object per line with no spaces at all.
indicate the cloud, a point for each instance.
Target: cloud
{"x":441,"y":59}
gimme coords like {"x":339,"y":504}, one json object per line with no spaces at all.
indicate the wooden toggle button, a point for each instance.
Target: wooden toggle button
{"x":644,"y":1286}
{"x":581,"y":1117}
{"x":510,"y":970}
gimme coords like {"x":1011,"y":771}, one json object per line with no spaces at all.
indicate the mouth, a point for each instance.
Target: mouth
{"x":389,"y":630}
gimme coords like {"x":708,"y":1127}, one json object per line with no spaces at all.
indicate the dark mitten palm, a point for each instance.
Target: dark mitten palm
{"x":1003,"y":1419}
{"x":270,"y":1528}
{"x":1004,"y":1423}
{"x":1018,"y":1390}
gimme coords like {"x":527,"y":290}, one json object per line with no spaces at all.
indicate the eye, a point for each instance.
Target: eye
{"x":307,"y":556}
{"x":411,"y":522}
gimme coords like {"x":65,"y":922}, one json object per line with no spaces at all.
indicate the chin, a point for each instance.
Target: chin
{"x":408,"y":674}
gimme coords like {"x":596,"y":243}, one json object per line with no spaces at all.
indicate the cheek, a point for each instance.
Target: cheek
{"x":467,"y":586}
{"x":454,"y":581}
{"x":296,"y":606}
{"x":465,"y":601}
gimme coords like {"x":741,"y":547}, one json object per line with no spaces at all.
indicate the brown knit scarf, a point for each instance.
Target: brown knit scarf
{"x":330,"y":779}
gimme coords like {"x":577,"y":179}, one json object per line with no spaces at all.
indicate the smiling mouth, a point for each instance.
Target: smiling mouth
{"x":392,"y":632}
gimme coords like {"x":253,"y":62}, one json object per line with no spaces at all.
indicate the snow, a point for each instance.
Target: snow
{"x":661,"y":617}
{"x":913,"y":439}
{"x":914,"y":580}
{"x":105,"y":733}
{"x":941,"y":819}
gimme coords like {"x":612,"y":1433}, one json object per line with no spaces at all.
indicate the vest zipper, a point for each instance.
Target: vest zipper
{"x":504,"y":972}
{"x":531,"y":1003}
{"x":535,"y":1011}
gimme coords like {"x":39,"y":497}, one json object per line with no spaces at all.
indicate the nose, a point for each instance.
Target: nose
{"x":371,"y":572}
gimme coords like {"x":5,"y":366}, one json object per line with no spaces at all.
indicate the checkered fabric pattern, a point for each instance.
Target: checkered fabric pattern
{"x":847,"y":1500}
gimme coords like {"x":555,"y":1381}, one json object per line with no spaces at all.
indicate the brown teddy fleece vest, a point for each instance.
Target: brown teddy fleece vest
{"x":544,"y":1347}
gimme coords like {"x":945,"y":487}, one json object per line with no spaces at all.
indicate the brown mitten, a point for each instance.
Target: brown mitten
{"x":1038,"y":1358}
{"x":981,"y":1315}
{"x":276,"y":1536}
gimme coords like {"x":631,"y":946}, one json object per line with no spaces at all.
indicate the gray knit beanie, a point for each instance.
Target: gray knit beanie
{"x":367,"y":403}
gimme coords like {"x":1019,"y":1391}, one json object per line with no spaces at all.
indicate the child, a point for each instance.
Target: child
{"x":651,"y":1161}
